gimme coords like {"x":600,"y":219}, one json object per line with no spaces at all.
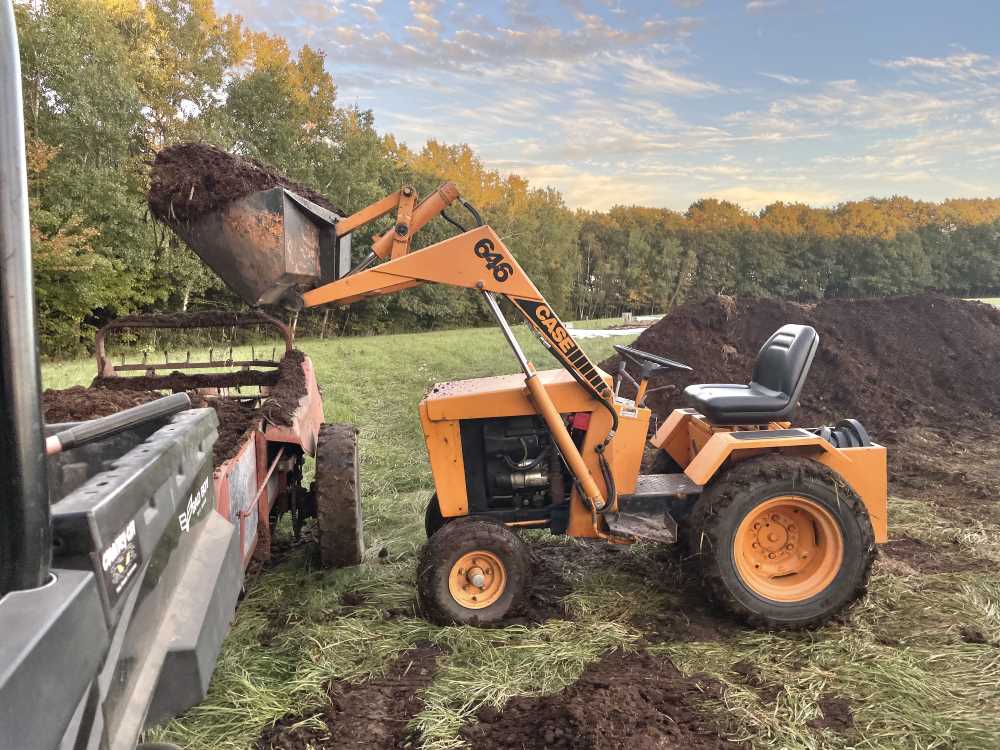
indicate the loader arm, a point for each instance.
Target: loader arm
{"x":477,"y":259}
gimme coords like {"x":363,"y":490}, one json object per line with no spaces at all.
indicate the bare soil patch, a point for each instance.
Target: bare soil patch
{"x":371,"y":715}
{"x":925,"y":557}
{"x":637,"y":701}
{"x":836,"y":714}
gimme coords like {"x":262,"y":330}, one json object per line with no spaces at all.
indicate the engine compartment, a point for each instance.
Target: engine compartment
{"x":511,"y":467}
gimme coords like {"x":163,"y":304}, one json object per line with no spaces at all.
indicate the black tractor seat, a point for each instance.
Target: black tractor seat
{"x":779,"y":373}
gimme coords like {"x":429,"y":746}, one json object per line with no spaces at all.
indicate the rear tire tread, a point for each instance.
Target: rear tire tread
{"x":754,"y":476}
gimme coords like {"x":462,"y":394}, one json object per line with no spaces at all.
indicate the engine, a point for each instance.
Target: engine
{"x":510,"y":465}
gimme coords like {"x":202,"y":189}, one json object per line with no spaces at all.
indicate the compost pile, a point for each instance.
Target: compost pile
{"x":237,"y":416}
{"x":189,"y":180}
{"x":894,"y":363}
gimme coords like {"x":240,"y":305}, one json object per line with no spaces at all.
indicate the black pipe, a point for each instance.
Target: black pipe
{"x":25,"y":534}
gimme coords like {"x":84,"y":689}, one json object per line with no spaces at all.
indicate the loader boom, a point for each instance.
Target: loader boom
{"x":478,"y":259}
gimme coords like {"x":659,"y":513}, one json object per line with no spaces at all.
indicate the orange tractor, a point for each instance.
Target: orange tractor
{"x":782,"y":521}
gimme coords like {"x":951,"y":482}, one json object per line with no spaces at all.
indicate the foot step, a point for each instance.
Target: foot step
{"x":653,"y":526}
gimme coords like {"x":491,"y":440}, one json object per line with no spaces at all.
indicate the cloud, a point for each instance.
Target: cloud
{"x":688,"y":3}
{"x":644,"y":75}
{"x":368,"y":11}
{"x":790,"y":80}
{"x":759,"y":6}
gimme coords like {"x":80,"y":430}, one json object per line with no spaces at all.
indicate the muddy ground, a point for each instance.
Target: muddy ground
{"x":371,"y":715}
{"x":189,"y":180}
{"x":638,"y":701}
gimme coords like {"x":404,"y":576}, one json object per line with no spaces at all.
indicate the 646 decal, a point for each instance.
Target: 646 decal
{"x":501,"y":269}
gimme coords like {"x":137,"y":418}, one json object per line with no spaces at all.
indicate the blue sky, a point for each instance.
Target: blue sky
{"x":661,"y":103}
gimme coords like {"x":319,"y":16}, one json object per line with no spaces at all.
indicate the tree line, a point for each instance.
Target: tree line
{"x":107,"y":83}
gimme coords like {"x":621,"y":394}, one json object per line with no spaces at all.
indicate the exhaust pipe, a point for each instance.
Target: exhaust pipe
{"x":25,"y":533}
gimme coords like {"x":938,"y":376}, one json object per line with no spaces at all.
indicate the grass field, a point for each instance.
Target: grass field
{"x":902,"y":659}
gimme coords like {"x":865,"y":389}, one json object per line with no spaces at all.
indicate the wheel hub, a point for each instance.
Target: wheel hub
{"x":788,"y":549}
{"x":477,"y":580}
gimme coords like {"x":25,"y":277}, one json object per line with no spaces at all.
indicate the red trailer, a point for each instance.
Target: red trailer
{"x":270,"y":414}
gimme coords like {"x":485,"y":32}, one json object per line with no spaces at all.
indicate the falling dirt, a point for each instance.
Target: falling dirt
{"x":373,"y":714}
{"x":283,"y":399}
{"x":637,"y":701}
{"x":892,"y":363}
{"x":191,"y":179}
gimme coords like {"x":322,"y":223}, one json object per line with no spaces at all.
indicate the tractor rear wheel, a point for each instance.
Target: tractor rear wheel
{"x":782,"y":542}
{"x":337,"y":490}
{"x":472,"y":571}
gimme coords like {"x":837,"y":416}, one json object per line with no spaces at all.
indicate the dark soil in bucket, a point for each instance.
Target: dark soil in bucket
{"x":189,"y":180}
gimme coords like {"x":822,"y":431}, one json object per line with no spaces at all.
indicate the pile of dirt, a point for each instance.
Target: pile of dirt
{"x":892,"y":362}
{"x":371,"y":715}
{"x":78,"y":404}
{"x":191,"y":179}
{"x":637,"y":701}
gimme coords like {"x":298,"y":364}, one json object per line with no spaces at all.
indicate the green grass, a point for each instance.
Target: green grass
{"x":995,"y":301}
{"x":900,"y":659}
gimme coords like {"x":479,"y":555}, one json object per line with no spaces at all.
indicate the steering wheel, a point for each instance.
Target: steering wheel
{"x":651,"y":362}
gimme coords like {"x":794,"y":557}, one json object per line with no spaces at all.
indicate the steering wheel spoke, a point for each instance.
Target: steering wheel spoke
{"x":645,"y":359}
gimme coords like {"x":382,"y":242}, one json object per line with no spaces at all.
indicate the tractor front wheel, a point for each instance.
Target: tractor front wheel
{"x":337,"y":490}
{"x":782,"y":542}
{"x":472,"y":572}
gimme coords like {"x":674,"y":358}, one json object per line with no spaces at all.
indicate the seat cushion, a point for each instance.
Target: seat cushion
{"x":731,"y":403}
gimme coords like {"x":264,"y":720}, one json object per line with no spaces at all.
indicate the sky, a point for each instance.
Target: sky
{"x":662,"y":103}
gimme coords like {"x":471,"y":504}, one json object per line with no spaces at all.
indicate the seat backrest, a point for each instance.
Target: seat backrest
{"x":783,"y":362}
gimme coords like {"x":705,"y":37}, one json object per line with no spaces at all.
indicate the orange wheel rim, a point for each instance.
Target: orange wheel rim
{"x":788,"y":549}
{"x":477,"y":579}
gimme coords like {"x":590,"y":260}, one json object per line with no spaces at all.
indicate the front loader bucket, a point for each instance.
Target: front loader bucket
{"x":268,"y":243}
